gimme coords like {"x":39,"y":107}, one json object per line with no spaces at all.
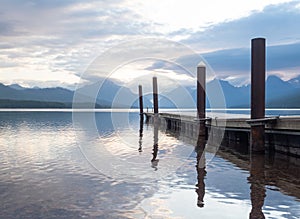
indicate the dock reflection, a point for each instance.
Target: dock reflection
{"x":277,"y":172}
{"x":257,"y":185}
{"x":200,"y":167}
{"x":154,"y":160}
{"x":140,"y":149}
{"x":155,"y":125}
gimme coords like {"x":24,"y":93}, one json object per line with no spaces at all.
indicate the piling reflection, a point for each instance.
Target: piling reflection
{"x":257,"y":181}
{"x":140,"y":149}
{"x":200,"y":167}
{"x":154,"y":160}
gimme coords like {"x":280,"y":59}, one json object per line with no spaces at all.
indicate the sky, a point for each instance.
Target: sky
{"x":50,"y":43}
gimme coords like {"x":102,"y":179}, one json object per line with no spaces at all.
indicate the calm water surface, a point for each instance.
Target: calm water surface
{"x":51,"y":168}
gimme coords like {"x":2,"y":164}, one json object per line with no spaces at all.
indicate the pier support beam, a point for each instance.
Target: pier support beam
{"x":201,"y":71}
{"x":141,"y":100}
{"x":258,"y":72}
{"x":155,"y":95}
{"x":201,"y":97}
{"x":141,"y":118}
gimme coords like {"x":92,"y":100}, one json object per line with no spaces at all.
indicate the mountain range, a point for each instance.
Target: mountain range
{"x":279,"y":94}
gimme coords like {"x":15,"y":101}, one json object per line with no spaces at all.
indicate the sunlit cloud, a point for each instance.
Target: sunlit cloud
{"x":57,"y":40}
{"x":274,"y":22}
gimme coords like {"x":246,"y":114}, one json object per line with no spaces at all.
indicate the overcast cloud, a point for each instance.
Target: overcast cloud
{"x":56,"y":40}
{"x":278,"y":23}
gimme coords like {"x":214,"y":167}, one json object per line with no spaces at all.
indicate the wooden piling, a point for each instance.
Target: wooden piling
{"x":201,"y":70}
{"x":201,"y":97}
{"x":258,"y":72}
{"x":155,"y":95}
{"x":141,"y":100}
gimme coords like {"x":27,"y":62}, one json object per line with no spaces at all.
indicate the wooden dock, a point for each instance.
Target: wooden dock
{"x":282,"y":133}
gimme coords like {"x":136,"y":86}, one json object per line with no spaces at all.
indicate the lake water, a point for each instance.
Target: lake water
{"x":108,"y":165}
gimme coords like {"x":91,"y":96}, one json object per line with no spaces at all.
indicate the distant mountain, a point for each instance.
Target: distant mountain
{"x":278,"y":89}
{"x":233,"y":95}
{"x":118,"y":96}
{"x":32,"y":104}
{"x":283,"y":94}
{"x":295,"y":82}
{"x":109,"y":95}
{"x":292,"y":101}
{"x":279,"y":93}
{"x":47,"y":94}
{"x":179,"y":97}
{"x":16,"y":87}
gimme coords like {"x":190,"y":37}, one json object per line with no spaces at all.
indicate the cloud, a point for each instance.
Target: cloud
{"x":6,"y":28}
{"x":278,"y":23}
{"x":237,"y":61}
{"x":74,"y":19}
{"x":63,"y":35}
{"x":5,"y":64}
{"x":234,"y":65}
{"x":66,"y":36}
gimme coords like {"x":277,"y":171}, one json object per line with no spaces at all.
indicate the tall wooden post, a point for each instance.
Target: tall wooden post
{"x":155,"y":95}
{"x":258,"y":72}
{"x":201,"y":71}
{"x":201,"y":97}
{"x":141,"y":100}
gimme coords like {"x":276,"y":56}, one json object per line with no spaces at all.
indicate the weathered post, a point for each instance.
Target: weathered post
{"x":201,"y":71}
{"x":141,"y":100}
{"x":155,"y":95}
{"x":258,"y":72}
{"x":201,"y":79}
{"x":141,"y":117}
{"x":200,"y":147}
